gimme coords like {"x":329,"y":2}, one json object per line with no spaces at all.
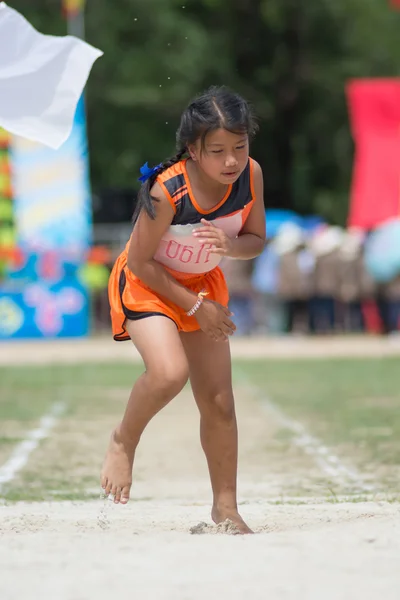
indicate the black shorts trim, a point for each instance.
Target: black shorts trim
{"x":134,"y":315}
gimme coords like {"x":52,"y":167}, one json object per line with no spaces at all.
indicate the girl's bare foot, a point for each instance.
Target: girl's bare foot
{"x":221,"y":515}
{"x":116,"y":475}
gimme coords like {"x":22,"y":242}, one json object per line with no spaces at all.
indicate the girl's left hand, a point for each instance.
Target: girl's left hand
{"x":213,"y":235}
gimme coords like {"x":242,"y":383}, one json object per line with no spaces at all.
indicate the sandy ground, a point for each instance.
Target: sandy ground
{"x":94,"y":550}
{"x":146,"y":550}
{"x":104,"y":349}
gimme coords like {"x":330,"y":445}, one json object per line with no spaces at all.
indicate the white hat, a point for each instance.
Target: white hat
{"x":290,"y":237}
{"x":353,"y":240}
{"x":327,"y":240}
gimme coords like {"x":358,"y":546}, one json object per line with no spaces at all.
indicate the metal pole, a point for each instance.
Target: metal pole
{"x":76,"y":24}
{"x":74,"y":12}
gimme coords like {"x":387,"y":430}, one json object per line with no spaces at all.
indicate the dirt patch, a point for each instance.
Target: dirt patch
{"x":330,"y":551}
{"x":225,"y":528}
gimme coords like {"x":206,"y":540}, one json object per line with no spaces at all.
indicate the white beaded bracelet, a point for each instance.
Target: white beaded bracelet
{"x":199,"y":302}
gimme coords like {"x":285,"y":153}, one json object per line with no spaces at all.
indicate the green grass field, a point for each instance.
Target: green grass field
{"x":352,"y":406}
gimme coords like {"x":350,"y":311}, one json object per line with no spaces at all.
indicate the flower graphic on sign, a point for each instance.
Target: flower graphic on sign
{"x":70,"y":301}
{"x":50,"y":307}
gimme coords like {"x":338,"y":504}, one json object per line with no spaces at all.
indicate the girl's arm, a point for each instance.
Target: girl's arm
{"x":251,"y":239}
{"x":145,"y":239}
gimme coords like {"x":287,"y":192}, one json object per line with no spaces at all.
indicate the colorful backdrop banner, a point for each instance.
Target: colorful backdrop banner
{"x":374,"y":107}
{"x":42,"y":295}
{"x":52,"y":199}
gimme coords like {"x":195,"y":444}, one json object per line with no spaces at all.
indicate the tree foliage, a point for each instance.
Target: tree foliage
{"x":290,"y":58}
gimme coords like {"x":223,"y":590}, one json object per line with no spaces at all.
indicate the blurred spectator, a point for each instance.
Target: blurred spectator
{"x":352,"y":278}
{"x":238,"y":277}
{"x":325,"y":247}
{"x":388,"y":301}
{"x":295,"y":279}
{"x":269,"y":311}
{"x":382,"y":259}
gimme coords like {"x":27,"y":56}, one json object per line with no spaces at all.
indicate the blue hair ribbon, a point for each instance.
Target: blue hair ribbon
{"x":147,"y":172}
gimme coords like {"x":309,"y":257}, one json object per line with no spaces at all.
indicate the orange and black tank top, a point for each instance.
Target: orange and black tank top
{"x":179,"y":249}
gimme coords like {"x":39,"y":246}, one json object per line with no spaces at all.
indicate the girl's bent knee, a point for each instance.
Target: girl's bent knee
{"x":169,"y":379}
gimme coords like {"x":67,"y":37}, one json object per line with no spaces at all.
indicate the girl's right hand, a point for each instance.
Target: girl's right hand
{"x":214,"y":320}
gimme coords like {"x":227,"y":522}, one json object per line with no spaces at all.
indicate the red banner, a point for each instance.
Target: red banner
{"x":395,"y":4}
{"x":374,"y":107}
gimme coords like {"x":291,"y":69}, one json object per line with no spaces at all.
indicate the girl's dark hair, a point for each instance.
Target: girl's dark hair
{"x":216,"y":108}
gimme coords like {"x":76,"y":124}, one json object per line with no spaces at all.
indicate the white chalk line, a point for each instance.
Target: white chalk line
{"x":21,"y":453}
{"x":327,"y":461}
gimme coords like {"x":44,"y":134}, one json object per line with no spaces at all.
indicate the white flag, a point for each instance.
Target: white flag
{"x":42,"y":78}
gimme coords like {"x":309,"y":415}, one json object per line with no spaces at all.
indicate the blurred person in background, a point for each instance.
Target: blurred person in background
{"x":295,"y":276}
{"x":388,"y":302}
{"x":241,"y":295}
{"x":325,"y":245}
{"x":382,"y":262}
{"x":269,"y":310}
{"x":169,"y":296}
{"x":352,"y":280}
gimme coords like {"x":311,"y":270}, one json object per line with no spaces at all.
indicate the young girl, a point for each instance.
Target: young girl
{"x":169,"y":296}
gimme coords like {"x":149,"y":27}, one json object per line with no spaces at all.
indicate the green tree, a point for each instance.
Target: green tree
{"x":156,"y":57}
{"x":290,"y":58}
{"x":293,"y":58}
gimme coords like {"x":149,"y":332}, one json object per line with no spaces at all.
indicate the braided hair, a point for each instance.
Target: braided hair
{"x":216,"y":108}
{"x":145,"y":199}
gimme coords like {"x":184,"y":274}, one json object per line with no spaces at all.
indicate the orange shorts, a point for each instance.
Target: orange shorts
{"x":131,"y":299}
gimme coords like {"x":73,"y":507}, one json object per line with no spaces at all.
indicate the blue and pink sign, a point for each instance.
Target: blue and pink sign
{"x":43,"y":297}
